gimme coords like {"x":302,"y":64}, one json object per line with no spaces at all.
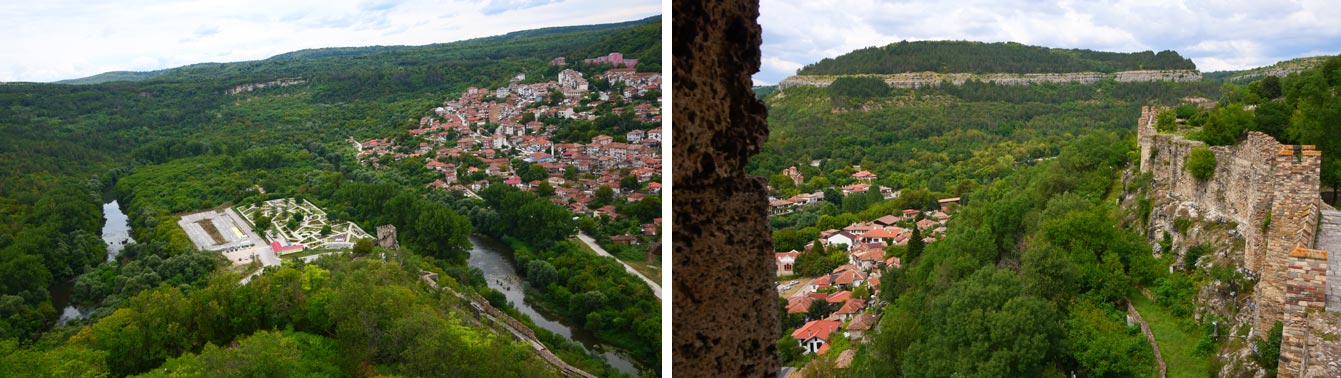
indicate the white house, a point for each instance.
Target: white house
{"x":844,"y":237}
{"x":814,"y":336}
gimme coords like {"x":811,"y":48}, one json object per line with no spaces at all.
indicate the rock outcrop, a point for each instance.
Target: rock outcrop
{"x":725,"y":321}
{"x":274,"y":83}
{"x":933,"y":79}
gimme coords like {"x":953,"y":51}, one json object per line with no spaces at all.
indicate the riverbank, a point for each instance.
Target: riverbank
{"x":497,"y":261}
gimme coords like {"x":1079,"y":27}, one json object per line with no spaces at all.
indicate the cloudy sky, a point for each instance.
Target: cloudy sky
{"x":1217,"y":35}
{"x":49,"y":40}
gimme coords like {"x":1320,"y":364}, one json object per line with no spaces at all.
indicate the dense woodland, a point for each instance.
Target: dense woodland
{"x":175,"y":142}
{"x":1030,"y":281}
{"x":947,"y":139}
{"x":1006,"y":57}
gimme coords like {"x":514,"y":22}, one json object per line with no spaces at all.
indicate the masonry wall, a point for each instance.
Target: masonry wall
{"x":1255,"y":179}
{"x":1241,"y":189}
{"x":725,"y":321}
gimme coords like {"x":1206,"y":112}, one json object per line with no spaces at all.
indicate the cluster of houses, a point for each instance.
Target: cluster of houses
{"x":488,"y":125}
{"x":865,"y":243}
{"x":777,"y":206}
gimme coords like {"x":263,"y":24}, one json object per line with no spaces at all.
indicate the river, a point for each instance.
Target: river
{"x":495,"y":260}
{"x":116,"y":233}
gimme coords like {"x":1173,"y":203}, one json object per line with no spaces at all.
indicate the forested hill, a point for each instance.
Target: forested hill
{"x":1279,"y":69}
{"x":523,"y":43}
{"x":979,"y":57}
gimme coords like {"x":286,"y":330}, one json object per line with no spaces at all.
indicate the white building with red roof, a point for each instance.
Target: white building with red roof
{"x":814,"y":336}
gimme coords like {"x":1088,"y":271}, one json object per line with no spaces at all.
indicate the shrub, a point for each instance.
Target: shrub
{"x":1166,"y":121}
{"x":1181,"y":225}
{"x":1193,"y":254}
{"x":1201,"y":163}
{"x":1268,"y":353}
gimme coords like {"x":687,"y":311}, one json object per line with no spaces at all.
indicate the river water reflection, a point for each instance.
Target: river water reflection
{"x":116,"y":233}
{"x":495,"y":260}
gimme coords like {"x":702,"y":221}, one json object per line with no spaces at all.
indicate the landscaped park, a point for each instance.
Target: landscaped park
{"x":286,"y":226}
{"x":293,"y":223}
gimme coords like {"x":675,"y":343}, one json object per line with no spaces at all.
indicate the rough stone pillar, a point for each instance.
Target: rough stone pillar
{"x":725,"y":321}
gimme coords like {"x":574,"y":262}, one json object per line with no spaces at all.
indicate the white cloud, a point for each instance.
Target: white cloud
{"x":57,"y":40}
{"x":1215,"y":34}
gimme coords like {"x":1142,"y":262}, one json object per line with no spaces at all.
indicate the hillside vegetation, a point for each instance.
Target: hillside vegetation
{"x":972,"y":57}
{"x":178,"y":141}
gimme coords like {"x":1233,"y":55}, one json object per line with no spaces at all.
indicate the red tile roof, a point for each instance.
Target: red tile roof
{"x":863,"y":174}
{"x":817,"y":328}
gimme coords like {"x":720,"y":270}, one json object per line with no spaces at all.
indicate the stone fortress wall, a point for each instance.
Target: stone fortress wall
{"x":1271,"y":191}
{"x":933,"y":79}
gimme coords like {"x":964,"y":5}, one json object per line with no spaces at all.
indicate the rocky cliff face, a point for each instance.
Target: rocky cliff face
{"x":254,"y":86}
{"x":933,"y":79}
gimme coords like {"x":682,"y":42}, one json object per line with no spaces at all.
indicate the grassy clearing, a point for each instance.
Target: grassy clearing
{"x":1177,"y":340}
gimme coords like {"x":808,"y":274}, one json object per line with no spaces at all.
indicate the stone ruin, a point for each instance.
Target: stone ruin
{"x":386,"y":237}
{"x":1271,"y":191}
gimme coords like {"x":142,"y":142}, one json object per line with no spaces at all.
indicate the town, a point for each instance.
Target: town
{"x":515,"y":135}
{"x":839,"y":306}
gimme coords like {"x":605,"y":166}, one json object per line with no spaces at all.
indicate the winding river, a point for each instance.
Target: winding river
{"x":116,"y":233}
{"x":495,"y":259}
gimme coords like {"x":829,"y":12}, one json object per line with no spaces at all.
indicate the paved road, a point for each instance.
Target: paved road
{"x":656,"y":289}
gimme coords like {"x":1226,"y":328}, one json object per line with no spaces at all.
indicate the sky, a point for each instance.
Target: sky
{"x":50,"y":40}
{"x":1217,"y":35}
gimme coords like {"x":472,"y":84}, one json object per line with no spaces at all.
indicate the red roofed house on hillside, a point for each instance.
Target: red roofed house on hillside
{"x":888,"y":220}
{"x":860,"y":324}
{"x":856,"y":188}
{"x":850,"y":307}
{"x":886,"y":235}
{"x":927,"y":224}
{"x":910,"y":214}
{"x":799,"y":304}
{"x":814,"y":336}
{"x":864,"y":176}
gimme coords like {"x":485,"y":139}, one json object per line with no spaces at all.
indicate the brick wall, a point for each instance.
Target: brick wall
{"x":1294,"y":214}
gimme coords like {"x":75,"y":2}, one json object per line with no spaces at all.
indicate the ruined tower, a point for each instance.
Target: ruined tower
{"x":386,"y":237}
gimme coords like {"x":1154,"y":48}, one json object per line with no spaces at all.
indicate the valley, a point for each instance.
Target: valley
{"x":267,"y":145}
{"x":1051,"y":217}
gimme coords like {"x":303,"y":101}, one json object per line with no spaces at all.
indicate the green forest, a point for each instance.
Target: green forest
{"x":945,"y":139}
{"x":177,"y":141}
{"x":1006,"y":57}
